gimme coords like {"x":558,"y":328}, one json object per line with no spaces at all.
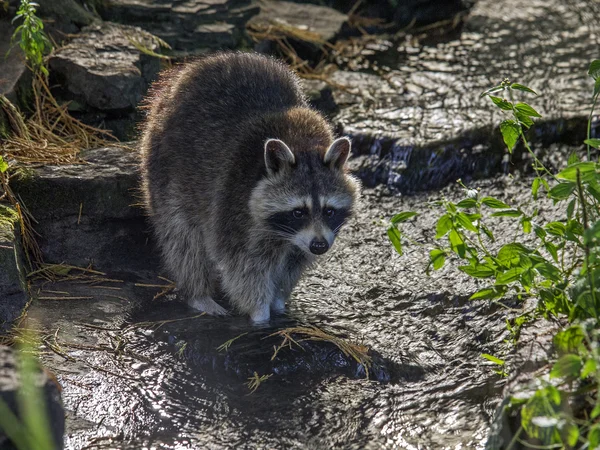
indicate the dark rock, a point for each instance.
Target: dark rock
{"x":325,"y":23}
{"x":66,"y":16}
{"x":15,"y":79}
{"x":188,"y":26}
{"x":90,"y":213}
{"x":320,"y":96}
{"x":13,"y":287}
{"x":11,"y":383}
{"x":413,"y":105}
{"x":102,"y":68}
{"x":533,"y":352}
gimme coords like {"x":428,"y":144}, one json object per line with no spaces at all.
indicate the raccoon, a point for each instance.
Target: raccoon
{"x":243,"y":181}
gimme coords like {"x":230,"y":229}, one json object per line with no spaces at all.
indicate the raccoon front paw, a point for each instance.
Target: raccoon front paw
{"x":207,"y":305}
{"x":278,"y":305}
{"x":260,"y":314}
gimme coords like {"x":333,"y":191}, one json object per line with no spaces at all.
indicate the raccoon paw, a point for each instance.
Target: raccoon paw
{"x":207,"y":305}
{"x":260,"y":314}
{"x":278,"y":305}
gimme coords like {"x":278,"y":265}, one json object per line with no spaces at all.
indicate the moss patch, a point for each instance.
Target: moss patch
{"x":8,"y":221}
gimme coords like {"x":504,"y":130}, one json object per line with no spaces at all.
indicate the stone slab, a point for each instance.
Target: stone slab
{"x":13,"y":287}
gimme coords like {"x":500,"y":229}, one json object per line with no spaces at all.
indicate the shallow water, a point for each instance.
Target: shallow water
{"x":167,"y":386}
{"x":130,"y":382}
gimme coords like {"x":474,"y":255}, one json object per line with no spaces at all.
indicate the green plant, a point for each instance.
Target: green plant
{"x":556,"y":263}
{"x":31,"y":36}
{"x":31,"y":429}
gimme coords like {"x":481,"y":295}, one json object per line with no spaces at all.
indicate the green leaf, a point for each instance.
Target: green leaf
{"x":510,"y":254}
{"x":509,"y":276}
{"x":478,"y":271}
{"x":520,"y":87}
{"x":594,"y":433}
{"x":465,"y":222}
{"x":561,"y":191}
{"x":526,"y":223}
{"x":587,"y":171}
{"x":488,"y":293}
{"x":437,"y":257}
{"x":467,"y":203}
{"x":403,"y":217}
{"x":571,"y":208}
{"x":510,"y":133}
{"x":592,"y":142}
{"x":573,"y":158}
{"x":596,"y":87}
{"x":494,"y":203}
{"x":570,"y":433}
{"x":590,"y":367}
{"x":524,"y":119}
{"x":508,"y":213}
{"x":527,"y":110}
{"x":569,"y":340}
{"x":493,"y":359}
{"x":556,"y":228}
{"x":492,"y":90}
{"x":595,"y":413}
{"x":456,"y":243}
{"x":396,"y":238}
{"x":552,"y":249}
{"x":539,"y":231}
{"x":594,"y":69}
{"x":488,"y":233}
{"x":568,"y":366}
{"x":3,"y":165}
{"x":502,"y":104}
{"x":535,"y":187}
{"x":548,"y":271}
{"x":444,"y":224}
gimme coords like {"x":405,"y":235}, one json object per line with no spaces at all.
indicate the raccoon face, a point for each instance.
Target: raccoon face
{"x":306,"y":197}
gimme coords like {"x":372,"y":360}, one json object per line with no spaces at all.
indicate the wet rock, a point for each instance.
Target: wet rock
{"x":411,"y":103}
{"x":530,"y":361}
{"x":66,"y":16}
{"x":13,"y":287}
{"x":15,"y":80}
{"x":186,"y":25}
{"x":87,"y":213}
{"x":323,"y":22}
{"x":102,"y":68}
{"x":10,"y":384}
{"x":320,"y":96}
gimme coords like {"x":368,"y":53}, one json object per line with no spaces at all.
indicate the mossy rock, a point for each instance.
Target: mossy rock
{"x":13,"y":286}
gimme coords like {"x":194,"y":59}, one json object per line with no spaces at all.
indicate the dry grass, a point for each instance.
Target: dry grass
{"x":296,"y":335}
{"x":256,"y":380}
{"x":50,"y":135}
{"x":164,"y":288}
{"x":225,"y":345}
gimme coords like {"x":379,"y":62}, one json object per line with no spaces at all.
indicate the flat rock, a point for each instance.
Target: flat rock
{"x":414,"y":104}
{"x":11,"y":383}
{"x":186,"y":25}
{"x":90,"y":213}
{"x":13,"y":287}
{"x":324,"y":22}
{"x":13,"y":70}
{"x":102,"y":68}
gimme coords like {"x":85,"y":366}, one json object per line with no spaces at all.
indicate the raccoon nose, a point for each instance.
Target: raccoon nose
{"x":318,"y":247}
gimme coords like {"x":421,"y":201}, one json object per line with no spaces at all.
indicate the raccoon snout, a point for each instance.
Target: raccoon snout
{"x":318,"y":247}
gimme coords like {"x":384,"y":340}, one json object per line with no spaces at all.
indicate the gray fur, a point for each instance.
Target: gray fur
{"x":208,"y":191}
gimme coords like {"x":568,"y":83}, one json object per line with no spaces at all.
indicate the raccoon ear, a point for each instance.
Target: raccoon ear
{"x":277,"y":156}
{"x":338,"y":153}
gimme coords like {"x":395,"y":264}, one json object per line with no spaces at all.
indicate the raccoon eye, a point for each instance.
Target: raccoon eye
{"x":298,"y":213}
{"x":329,"y":212}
